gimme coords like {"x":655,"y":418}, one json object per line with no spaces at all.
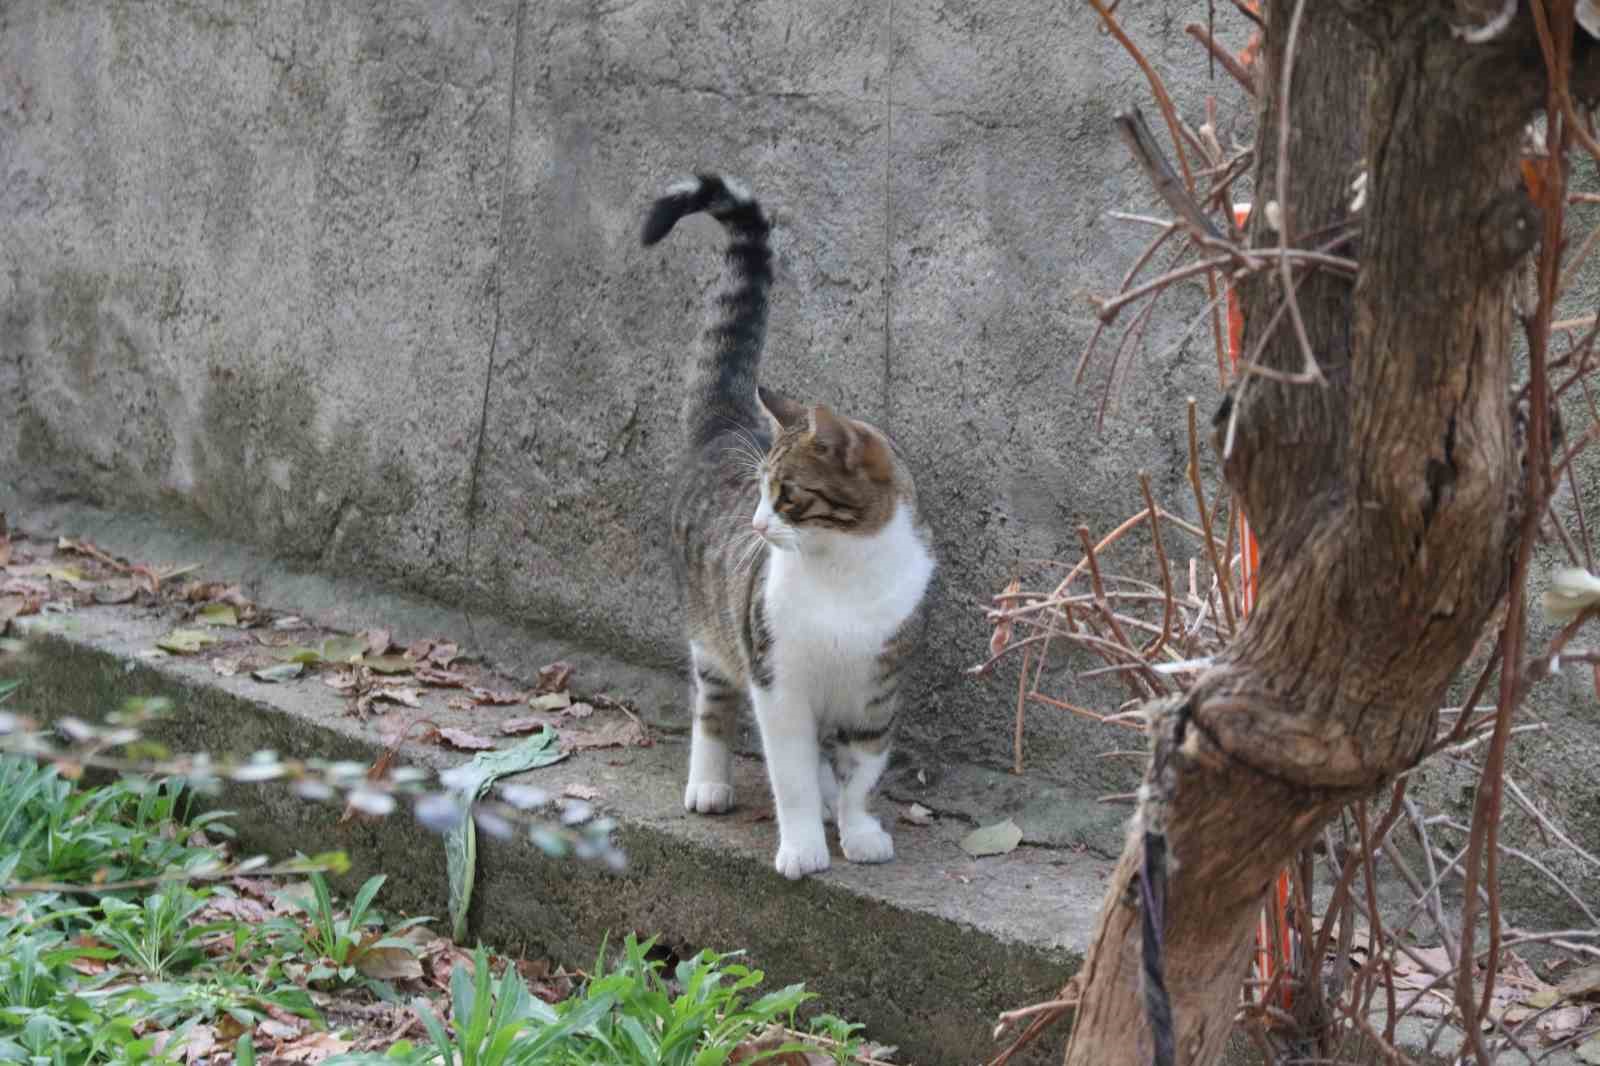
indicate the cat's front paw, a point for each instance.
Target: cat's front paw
{"x":796,"y":860}
{"x":867,"y":842}
{"x":708,"y":798}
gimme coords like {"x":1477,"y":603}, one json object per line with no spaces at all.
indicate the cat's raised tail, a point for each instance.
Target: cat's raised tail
{"x":722,"y":387}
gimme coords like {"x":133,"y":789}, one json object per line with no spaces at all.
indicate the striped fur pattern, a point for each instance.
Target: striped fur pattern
{"x":803,"y":562}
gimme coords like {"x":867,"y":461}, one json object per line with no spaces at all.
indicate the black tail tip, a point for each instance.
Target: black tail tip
{"x":700,"y":193}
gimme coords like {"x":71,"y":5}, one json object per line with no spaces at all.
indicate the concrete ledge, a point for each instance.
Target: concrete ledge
{"x":925,"y":950}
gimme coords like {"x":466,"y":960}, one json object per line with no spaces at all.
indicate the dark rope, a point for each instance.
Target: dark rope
{"x":1153,"y":923}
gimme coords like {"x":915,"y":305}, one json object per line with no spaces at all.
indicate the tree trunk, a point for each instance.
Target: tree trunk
{"x":1384,"y":501}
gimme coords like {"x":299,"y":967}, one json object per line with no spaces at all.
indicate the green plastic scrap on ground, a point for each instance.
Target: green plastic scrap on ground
{"x":461,"y":842}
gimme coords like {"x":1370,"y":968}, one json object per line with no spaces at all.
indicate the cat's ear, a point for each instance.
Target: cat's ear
{"x":781,"y":411}
{"x":833,"y":436}
{"x":855,"y":447}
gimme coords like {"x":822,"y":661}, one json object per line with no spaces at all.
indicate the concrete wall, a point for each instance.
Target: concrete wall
{"x":361,"y":283}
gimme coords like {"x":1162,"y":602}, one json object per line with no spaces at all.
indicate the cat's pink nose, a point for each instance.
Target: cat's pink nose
{"x":759,"y":523}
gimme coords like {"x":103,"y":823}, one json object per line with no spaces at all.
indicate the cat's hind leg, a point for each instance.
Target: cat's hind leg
{"x":863,"y":753}
{"x":716,"y":717}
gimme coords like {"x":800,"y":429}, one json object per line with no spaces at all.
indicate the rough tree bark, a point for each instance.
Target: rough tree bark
{"x":1385,"y":502}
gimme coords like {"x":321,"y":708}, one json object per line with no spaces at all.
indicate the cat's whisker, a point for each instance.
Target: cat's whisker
{"x":751,"y":553}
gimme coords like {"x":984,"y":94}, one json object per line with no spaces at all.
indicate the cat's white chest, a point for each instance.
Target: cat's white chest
{"x":831,"y":616}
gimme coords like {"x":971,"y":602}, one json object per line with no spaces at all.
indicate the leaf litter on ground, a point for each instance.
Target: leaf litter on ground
{"x":463,"y":740}
{"x":550,"y":701}
{"x":274,"y":673}
{"x":997,"y":839}
{"x":621,"y":732}
{"x":187,"y":641}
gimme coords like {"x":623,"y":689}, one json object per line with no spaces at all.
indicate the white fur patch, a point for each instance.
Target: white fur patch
{"x":684,"y":187}
{"x":736,"y":189}
{"x":833,"y":600}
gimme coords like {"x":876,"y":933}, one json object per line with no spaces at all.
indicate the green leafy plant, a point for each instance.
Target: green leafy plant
{"x":699,"y":1026}
{"x":157,"y":935}
{"x":131,"y":828}
{"x":348,"y":947}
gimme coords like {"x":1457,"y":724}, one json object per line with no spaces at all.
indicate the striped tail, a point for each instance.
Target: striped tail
{"x":722,"y":388}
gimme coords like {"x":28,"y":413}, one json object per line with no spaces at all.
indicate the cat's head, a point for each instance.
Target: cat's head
{"x":825,"y":476}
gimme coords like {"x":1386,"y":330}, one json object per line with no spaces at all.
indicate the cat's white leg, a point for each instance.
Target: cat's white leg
{"x":716,"y":710}
{"x":789,"y":739}
{"x":861,"y":835}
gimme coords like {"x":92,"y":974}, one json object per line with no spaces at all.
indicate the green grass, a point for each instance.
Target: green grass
{"x":130,"y":974}
{"x":84,"y":978}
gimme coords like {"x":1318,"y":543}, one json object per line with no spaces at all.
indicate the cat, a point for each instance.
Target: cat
{"x":803,"y":562}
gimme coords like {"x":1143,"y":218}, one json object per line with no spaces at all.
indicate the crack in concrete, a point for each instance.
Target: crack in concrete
{"x":888,"y":222}
{"x":499,"y":290}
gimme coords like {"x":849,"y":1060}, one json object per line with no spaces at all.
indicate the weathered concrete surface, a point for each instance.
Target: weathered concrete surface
{"x":270,"y":268}
{"x":237,"y":239}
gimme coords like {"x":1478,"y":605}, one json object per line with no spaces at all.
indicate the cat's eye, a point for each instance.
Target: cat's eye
{"x":783,"y":496}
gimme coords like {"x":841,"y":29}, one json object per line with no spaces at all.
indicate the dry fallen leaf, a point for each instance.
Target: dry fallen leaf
{"x":198,"y":1044}
{"x":618,"y":733}
{"x":444,"y":653}
{"x":554,"y":678}
{"x":378,"y":641}
{"x":67,"y":575}
{"x":279,"y":1030}
{"x":217,"y":614}
{"x":1583,"y":985}
{"x":1000,"y":639}
{"x":997,"y":839}
{"x":389,"y":964}
{"x":14,"y":607}
{"x":459,"y":703}
{"x":490,"y":696}
{"x":581,"y":792}
{"x":279,"y":672}
{"x":226,"y":667}
{"x":186,"y":641}
{"x":237,"y":907}
{"x":550,"y":701}
{"x":1562,"y":1023}
{"x":344,"y":680}
{"x":578,"y":710}
{"x":87,"y":966}
{"x":460,"y":738}
{"x":116,"y":592}
{"x":433,"y":675}
{"x":1419,"y":972}
{"x":765,"y":1047}
{"x":313,"y":1049}
{"x":516,"y":727}
{"x":406,"y":697}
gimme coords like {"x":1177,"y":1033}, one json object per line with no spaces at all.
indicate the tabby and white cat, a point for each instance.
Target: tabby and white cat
{"x":812,"y":605}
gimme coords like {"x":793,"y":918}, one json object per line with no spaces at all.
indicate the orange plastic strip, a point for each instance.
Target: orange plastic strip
{"x":1276,"y":910}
